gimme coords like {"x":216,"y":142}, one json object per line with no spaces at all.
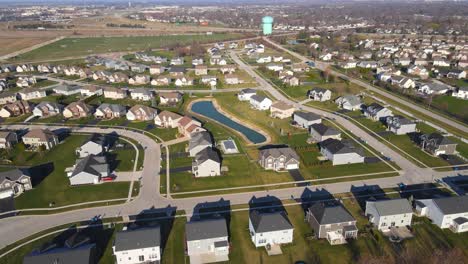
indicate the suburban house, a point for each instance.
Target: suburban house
{"x":246,"y":94}
{"x":156,"y":69}
{"x":259,"y":102}
{"x":332,"y":221}
{"x":183,"y":81}
{"x":188,"y":126}
{"x":95,"y":146}
{"x":207,"y":240}
{"x":206,"y":163}
{"x":377,"y":112}
{"x":7,"y":97}
{"x":90,"y":90}
{"x":77,"y":248}
{"x":31,"y":93}
{"x":14,"y":182}
{"x":8,"y":139}
{"x":67,"y":89}
{"x":434,"y":88}
{"x":448,"y":212}
{"x":169,"y":98}
{"x":77,"y":110}
{"x":141,"y":113}
{"x":40,"y":137}
{"x":385,"y":214}
{"x":228,"y":69}
{"x":306,"y":119}
{"x":321,"y":132}
{"x":139,"y":80}
{"x":341,"y":152}
{"x":271,"y":229}
{"x":281,"y":110}
{"x":15,"y":109}
{"x":177,"y":71}
{"x":138,"y":246}
{"x":400,"y":125}
{"x":114,"y":93}
{"x":88,"y":170}
{"x":198,"y":142}
{"x":47,"y":109}
{"x":319,"y":94}
{"x":109,"y":111}
{"x":349,"y":102}
{"x":141,"y":94}
{"x":436,"y":144}
{"x":167,"y":119}
{"x":278,"y":159}
{"x":461,"y":93}
{"x":160,"y":81}
{"x":201,"y":70}
{"x":232,"y":79}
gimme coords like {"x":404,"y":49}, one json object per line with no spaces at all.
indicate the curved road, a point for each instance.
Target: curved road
{"x":414,"y":106}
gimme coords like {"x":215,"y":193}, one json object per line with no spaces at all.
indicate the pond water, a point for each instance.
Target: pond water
{"x":206,"y":108}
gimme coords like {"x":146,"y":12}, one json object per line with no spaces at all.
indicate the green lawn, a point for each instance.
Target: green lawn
{"x":174,"y":250}
{"x":55,"y":187}
{"x":71,"y":47}
{"x":455,"y":106}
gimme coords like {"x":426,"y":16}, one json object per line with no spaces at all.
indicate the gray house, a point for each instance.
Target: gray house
{"x":306,"y":119}
{"x":321,"y":132}
{"x":332,"y":222}
{"x":142,"y":245}
{"x":377,"y":112}
{"x":385,"y":214}
{"x":207,"y":241}
{"x":341,"y":152}
{"x":279,"y":159}
{"x":8,"y":139}
{"x":319,"y":94}
{"x":206,"y":163}
{"x":89,"y":170}
{"x":198,"y":142}
{"x":436,"y":144}
{"x":349,"y":102}
{"x":95,"y":146}
{"x":270,"y":229}
{"x":400,"y":125}
{"x":14,"y":182}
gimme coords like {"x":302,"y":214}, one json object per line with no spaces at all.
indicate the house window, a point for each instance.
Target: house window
{"x":262,"y":241}
{"x":141,"y":258}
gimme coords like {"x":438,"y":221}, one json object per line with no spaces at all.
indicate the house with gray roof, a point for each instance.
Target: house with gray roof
{"x":270,"y":229}
{"x":349,"y":102}
{"x":206,"y":163}
{"x":142,"y":245}
{"x":437,"y":144}
{"x":198,"y":142}
{"x":67,"y":89}
{"x":319,"y":94}
{"x":332,"y":221}
{"x":14,"y":182}
{"x":321,"y":132}
{"x":259,"y":102}
{"x":109,"y":111}
{"x":377,"y":112}
{"x":386,"y":214}
{"x":279,"y":158}
{"x":245,"y":94}
{"x":8,"y":139}
{"x":207,"y":241}
{"x":94,"y":146}
{"x":400,"y":125}
{"x":305,"y":119}
{"x":88,"y":170}
{"x":341,"y":152}
{"x":447,"y":212}
{"x":81,"y":252}
{"x":47,"y":109}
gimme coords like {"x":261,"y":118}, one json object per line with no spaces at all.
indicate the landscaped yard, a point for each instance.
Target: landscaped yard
{"x":55,"y":187}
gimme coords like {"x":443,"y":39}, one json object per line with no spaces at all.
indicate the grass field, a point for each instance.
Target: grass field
{"x":75,"y":47}
{"x":455,"y":106}
{"x":55,"y":187}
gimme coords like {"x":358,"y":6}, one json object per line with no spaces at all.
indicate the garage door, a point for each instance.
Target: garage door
{"x":292,"y":166}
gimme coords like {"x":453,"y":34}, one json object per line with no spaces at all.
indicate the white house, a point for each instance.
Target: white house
{"x":88,"y":170}
{"x":259,"y":102}
{"x":94,"y":146}
{"x":206,"y":163}
{"x":45,"y":109}
{"x":31,"y":93}
{"x":434,"y":88}
{"x":377,"y":112}
{"x":207,"y":241}
{"x":138,"y":246}
{"x":349,"y":102}
{"x":449,"y":212}
{"x":385,"y":214}
{"x":270,"y":229}
{"x":461,"y":93}
{"x":341,"y":152}
{"x":141,"y":94}
{"x":319,"y":94}
{"x":306,"y":119}
{"x":246,"y":94}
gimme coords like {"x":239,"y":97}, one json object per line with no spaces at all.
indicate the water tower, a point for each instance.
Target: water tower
{"x":267,"y":25}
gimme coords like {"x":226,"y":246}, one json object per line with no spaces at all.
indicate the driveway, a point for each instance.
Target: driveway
{"x":297,"y":176}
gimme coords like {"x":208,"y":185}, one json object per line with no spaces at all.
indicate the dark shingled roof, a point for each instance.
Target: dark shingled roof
{"x":92,"y":164}
{"x":330,"y":214}
{"x":452,"y":205}
{"x":136,"y":239}
{"x":80,"y":255}
{"x":392,"y":207}
{"x":13,"y":175}
{"x":267,"y":222}
{"x":324,"y":130}
{"x":206,"y":229}
{"x":207,"y":154}
{"x":339,"y":147}
{"x":307,"y":115}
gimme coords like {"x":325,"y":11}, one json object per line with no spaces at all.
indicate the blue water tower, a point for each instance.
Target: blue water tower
{"x":267,"y":25}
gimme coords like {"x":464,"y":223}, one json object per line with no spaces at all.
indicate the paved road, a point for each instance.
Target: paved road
{"x":411,"y":105}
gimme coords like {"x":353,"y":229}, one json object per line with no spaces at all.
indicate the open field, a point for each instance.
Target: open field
{"x":75,"y":47}
{"x":12,"y":44}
